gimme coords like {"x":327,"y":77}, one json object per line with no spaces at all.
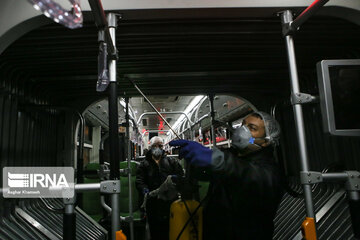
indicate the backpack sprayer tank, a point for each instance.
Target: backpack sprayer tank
{"x":186,"y":213}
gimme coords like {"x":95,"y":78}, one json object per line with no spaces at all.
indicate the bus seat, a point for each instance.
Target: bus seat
{"x":203,"y":189}
{"x":91,"y":200}
{"x":124,"y":194}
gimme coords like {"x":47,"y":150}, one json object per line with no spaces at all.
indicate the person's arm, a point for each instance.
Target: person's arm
{"x":228,"y":164}
{"x":261,"y":179}
{"x":218,"y":162}
{"x":140,"y":182}
{"x":179,"y":171}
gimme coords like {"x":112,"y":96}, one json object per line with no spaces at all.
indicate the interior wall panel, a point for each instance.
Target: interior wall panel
{"x":28,"y":135}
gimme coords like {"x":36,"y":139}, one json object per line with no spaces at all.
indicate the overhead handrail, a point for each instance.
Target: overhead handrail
{"x":195,"y":123}
{"x":149,"y":131}
{"x":153,"y":107}
{"x":155,"y":113}
{"x":199,"y":106}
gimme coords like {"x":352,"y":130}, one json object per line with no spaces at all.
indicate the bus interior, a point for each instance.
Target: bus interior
{"x":189,"y":70}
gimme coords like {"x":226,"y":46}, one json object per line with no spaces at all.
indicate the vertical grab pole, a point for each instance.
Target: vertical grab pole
{"x":80,"y":156}
{"x":113,"y":130}
{"x":212,"y":113}
{"x":69,"y":219}
{"x":286,"y":17}
{"x":129,"y":167}
{"x":192,"y":134}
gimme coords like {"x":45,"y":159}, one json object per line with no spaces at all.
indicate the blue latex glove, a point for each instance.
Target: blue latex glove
{"x":193,"y":152}
{"x":145,"y":190}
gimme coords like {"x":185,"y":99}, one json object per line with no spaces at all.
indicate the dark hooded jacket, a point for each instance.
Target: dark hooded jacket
{"x":243,"y":196}
{"x":150,"y":175}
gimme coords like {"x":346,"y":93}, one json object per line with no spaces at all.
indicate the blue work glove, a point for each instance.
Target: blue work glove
{"x":145,"y":190}
{"x":193,"y":152}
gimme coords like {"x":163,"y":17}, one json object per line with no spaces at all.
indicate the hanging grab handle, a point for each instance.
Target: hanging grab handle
{"x":70,"y":19}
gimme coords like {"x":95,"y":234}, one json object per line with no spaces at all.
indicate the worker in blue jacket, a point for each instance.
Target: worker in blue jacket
{"x":245,"y":181}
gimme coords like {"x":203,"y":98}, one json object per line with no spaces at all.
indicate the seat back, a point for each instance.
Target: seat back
{"x":124,"y":183}
{"x":91,"y":200}
{"x":203,"y":189}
